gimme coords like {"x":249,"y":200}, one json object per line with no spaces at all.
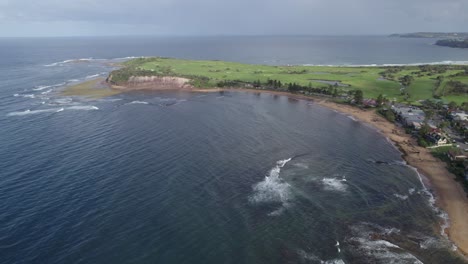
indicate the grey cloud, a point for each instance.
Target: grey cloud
{"x":240,"y":16}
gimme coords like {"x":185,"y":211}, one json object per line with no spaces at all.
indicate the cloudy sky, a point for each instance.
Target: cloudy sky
{"x":228,"y":17}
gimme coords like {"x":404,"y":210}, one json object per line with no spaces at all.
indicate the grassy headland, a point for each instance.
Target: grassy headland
{"x":408,"y":84}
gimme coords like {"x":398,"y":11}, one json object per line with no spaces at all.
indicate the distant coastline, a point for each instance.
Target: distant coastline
{"x":453,"y":43}
{"x":440,"y":35}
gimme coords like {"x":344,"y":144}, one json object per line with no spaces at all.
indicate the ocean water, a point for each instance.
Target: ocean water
{"x":231,"y":177}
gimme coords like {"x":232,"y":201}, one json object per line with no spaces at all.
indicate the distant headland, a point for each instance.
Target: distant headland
{"x":453,"y":43}
{"x":410,"y":84}
{"x":440,"y":35}
{"x":447,"y":39}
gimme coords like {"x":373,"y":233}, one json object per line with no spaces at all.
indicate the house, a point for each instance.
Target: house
{"x":459,"y":116}
{"x":437,"y":138}
{"x":409,"y":116}
{"x":456,"y":155}
{"x":369,"y":102}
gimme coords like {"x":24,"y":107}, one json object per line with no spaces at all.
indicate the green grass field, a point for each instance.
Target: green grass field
{"x":367,"y":79}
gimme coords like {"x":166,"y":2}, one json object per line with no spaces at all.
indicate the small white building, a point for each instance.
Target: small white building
{"x":460,"y":116}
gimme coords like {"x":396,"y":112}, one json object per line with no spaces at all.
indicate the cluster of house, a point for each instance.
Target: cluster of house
{"x":457,"y":155}
{"x":414,"y":117}
{"x":409,"y":116}
{"x":459,"y":116}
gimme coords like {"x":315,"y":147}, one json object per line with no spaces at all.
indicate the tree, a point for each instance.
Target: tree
{"x":443,"y":124}
{"x":406,"y":80}
{"x":380,"y":99}
{"x":424,"y":130}
{"x":452,"y":105}
{"x":335,"y":92}
{"x":429,"y":114}
{"x":358,"y":96}
{"x":390,"y":116}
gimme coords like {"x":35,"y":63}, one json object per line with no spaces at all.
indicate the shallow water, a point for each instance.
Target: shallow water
{"x":169,"y":177}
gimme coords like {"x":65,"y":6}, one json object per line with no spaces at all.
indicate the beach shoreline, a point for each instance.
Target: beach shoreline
{"x":449,"y":194}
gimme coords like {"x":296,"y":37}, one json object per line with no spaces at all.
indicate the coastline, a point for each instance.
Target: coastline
{"x":449,"y":194}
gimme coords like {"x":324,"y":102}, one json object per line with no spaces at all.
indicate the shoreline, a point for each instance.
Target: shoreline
{"x":449,"y":195}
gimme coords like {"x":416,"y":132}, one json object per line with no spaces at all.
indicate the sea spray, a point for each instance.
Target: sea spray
{"x":273,"y":189}
{"x":335,"y":184}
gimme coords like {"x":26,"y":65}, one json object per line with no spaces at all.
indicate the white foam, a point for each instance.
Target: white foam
{"x":401,"y":197}
{"x":311,"y":257}
{"x":110,"y":100}
{"x":352,"y":118}
{"x":432,"y":203}
{"x":338,"y":246}
{"x":43,"y":87}
{"x":383,"y":251}
{"x":378,"y":250}
{"x":32,"y":96}
{"x":273,"y":188}
{"x":92,"y":76}
{"x":32,"y":112}
{"x":390,"y":64}
{"x":83,"y":107}
{"x":411,"y":191}
{"x":301,"y":165}
{"x":335,"y":184}
{"x":48,"y":91}
{"x":138,"y":102}
{"x":60,"y":63}
{"x":62,"y":101}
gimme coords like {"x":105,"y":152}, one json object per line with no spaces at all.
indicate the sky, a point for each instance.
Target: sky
{"x":26,"y":18}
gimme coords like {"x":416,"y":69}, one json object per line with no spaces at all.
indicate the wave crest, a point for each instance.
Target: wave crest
{"x":273,"y":189}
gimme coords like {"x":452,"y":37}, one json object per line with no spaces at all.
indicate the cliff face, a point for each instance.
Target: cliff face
{"x":153,"y":83}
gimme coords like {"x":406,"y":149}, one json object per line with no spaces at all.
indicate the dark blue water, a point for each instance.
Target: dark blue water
{"x":227,"y":177}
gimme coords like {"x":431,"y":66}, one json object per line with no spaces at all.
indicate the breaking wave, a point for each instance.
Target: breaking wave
{"x":335,"y":184}
{"x":60,"y":63}
{"x":273,"y":189}
{"x":83,"y":107}
{"x":92,"y":76}
{"x":401,"y":197}
{"x":432,"y":203}
{"x":25,"y":95}
{"x":448,"y":62}
{"x":138,"y":102}
{"x":32,"y":112}
{"x":52,"y":110}
{"x":43,"y":87}
{"x":311,"y":257}
{"x":367,"y":241}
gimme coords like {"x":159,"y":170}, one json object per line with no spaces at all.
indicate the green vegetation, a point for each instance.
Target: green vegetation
{"x":404,"y":84}
{"x":92,"y":89}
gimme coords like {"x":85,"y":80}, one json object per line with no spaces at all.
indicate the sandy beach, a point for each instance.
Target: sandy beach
{"x":450,"y":195}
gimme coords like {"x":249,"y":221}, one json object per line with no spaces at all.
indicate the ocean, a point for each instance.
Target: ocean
{"x":228,"y":177}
